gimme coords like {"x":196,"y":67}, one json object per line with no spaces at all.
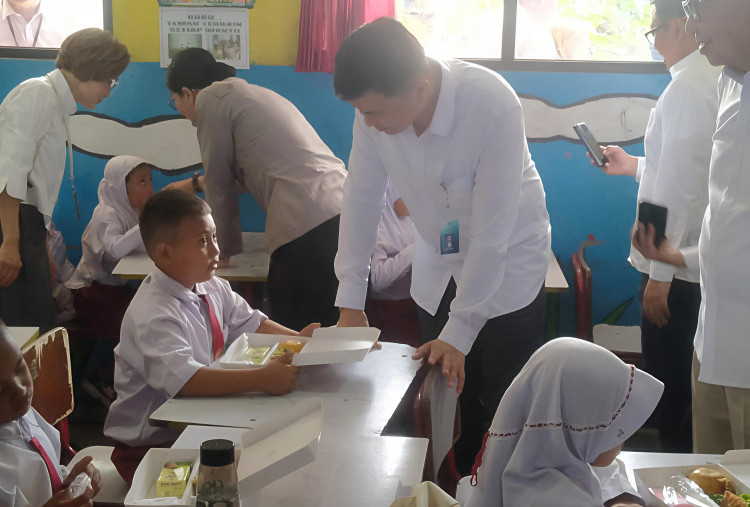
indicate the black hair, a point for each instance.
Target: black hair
{"x":667,"y":10}
{"x":196,"y":68}
{"x":382,"y":57}
{"x":164,"y":212}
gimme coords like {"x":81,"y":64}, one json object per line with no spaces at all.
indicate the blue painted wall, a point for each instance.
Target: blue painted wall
{"x":580,"y":198}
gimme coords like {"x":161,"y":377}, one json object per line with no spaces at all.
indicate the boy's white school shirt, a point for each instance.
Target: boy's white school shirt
{"x":32,"y":140}
{"x":472,"y":164}
{"x":165,"y":338}
{"x":24,"y":479}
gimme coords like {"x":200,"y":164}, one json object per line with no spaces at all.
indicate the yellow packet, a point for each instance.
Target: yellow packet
{"x":173,"y":479}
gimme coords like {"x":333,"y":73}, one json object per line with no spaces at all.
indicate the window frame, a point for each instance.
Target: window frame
{"x":51,"y":53}
{"x":508,"y":61}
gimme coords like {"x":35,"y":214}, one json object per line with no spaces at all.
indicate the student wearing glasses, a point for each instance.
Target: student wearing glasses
{"x":33,"y":125}
{"x":721,"y":384}
{"x":674,"y":173}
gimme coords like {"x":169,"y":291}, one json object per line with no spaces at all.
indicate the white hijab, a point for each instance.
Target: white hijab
{"x":112,"y":218}
{"x":572,"y":401}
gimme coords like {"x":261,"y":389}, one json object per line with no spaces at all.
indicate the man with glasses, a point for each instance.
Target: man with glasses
{"x":674,"y":173}
{"x":721,"y":364}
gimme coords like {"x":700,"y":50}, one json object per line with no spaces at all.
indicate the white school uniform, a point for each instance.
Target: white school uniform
{"x":674,"y":172}
{"x":571,"y":402}
{"x":165,"y":339}
{"x":113,"y":231}
{"x":24,"y":479}
{"x":390,"y":268}
{"x":32,"y":140}
{"x":472,"y":165}
{"x":43,"y":30}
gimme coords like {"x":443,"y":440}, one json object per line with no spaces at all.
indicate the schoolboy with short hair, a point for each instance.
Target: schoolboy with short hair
{"x":30,"y":470}
{"x":178,"y":323}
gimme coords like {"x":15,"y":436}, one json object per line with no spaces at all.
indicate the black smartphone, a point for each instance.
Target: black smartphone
{"x":650,"y":213}
{"x":592,"y":146}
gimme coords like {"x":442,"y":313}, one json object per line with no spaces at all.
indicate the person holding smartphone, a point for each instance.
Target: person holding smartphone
{"x":674,"y":174}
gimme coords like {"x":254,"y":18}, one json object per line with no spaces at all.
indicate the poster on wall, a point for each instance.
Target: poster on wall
{"x":223,"y":32}
{"x":208,"y":3}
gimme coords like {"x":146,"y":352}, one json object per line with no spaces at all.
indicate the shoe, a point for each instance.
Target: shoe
{"x":99,"y":391}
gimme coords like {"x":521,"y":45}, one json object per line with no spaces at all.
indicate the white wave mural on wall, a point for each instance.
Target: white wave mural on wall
{"x":170,"y":143}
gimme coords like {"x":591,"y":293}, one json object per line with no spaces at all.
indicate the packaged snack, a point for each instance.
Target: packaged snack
{"x":173,"y":479}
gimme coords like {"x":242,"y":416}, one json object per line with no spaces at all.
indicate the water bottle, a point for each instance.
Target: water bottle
{"x":217,"y":475}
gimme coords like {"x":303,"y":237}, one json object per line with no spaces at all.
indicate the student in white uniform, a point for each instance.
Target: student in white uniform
{"x":28,"y":478}
{"x":389,"y":305}
{"x":33,"y":119}
{"x":112,"y":233}
{"x":721,"y":384}
{"x":178,"y":323}
{"x":568,"y":412}
{"x":450,"y":136}
{"x":674,"y":174}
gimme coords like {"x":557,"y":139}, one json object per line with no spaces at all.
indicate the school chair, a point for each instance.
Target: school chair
{"x":623,"y":341}
{"x":447,"y":475}
{"x":48,"y":358}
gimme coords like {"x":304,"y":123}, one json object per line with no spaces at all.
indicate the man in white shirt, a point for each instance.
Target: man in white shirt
{"x":674,"y":174}
{"x":28,"y":23}
{"x":450,"y":136}
{"x":721,"y":382}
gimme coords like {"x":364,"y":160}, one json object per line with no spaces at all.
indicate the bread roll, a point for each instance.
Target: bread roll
{"x":711,"y":481}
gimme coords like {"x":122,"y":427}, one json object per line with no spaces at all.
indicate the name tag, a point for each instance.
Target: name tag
{"x":449,"y":241}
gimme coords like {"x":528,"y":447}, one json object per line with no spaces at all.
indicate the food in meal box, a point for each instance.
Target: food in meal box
{"x":712,"y":482}
{"x":729,"y":499}
{"x":173,"y":479}
{"x":254,"y":355}
{"x":292,"y":346}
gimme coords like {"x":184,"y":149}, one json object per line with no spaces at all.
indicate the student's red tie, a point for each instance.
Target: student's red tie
{"x":54,"y":477}
{"x":217,"y":336}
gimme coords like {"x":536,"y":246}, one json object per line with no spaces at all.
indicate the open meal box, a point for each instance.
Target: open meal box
{"x":328,"y":345}
{"x":268,"y":452}
{"x":734,"y":464}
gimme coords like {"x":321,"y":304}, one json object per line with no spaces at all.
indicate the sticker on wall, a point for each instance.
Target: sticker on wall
{"x":223,"y":32}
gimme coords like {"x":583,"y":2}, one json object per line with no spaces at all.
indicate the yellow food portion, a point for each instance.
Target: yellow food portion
{"x":254,"y":355}
{"x":711,"y":481}
{"x":292,"y":346}
{"x":173,"y":479}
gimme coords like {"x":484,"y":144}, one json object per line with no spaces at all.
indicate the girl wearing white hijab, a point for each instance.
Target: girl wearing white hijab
{"x":572,"y":406}
{"x":100,"y":300}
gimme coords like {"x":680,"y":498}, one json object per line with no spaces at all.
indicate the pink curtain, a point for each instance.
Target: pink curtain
{"x":324,"y":24}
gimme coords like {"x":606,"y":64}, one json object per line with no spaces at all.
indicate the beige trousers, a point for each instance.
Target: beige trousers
{"x":721,"y":416}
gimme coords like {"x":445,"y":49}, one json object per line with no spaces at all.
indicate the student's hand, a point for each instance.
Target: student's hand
{"x":452,"y":360}
{"x":10,"y":263}
{"x":63,"y":499}
{"x":618,"y":162}
{"x":85,"y":466}
{"x":308,"y":329}
{"x":655,"y":302}
{"x":184,"y":185}
{"x":643,"y":240}
{"x":349,"y":317}
{"x":280,"y":377}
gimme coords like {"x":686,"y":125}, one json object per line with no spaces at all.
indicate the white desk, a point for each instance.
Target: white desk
{"x":555,"y":280}
{"x":360,"y":471}
{"x":23,"y":335}
{"x":358,"y":398}
{"x":249,"y":266}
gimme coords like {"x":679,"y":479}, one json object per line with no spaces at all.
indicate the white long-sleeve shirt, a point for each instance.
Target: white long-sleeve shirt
{"x":674,"y":172}
{"x":32,"y":140}
{"x":722,"y":340}
{"x":472,"y":164}
{"x":165,"y":339}
{"x":24,"y":479}
{"x":44,"y":27}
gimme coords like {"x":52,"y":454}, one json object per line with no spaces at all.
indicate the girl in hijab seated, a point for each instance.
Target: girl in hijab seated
{"x":559,"y":428}
{"x":100,"y":300}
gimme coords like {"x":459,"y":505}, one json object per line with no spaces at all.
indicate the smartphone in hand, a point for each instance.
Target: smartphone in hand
{"x":591,"y":144}
{"x":650,"y":213}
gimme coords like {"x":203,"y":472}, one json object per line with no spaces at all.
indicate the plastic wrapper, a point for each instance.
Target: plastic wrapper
{"x":679,"y":491}
{"x":79,"y":485}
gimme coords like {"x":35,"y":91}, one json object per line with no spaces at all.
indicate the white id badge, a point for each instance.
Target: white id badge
{"x":449,"y":238}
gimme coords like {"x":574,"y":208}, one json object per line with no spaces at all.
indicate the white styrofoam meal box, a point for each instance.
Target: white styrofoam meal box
{"x":331,"y":345}
{"x":271,"y":450}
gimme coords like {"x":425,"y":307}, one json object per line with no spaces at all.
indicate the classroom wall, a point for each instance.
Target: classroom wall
{"x":580,"y":198}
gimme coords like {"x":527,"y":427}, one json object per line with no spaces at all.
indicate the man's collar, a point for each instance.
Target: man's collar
{"x":442,"y":119}
{"x":8,"y":11}
{"x":736,"y":74}
{"x":685,"y":63}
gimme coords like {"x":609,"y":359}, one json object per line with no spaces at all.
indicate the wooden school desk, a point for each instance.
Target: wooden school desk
{"x":555,"y":280}
{"x":362,"y":470}
{"x":249,"y":266}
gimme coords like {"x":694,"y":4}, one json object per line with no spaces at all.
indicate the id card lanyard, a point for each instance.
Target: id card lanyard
{"x":36,"y":35}
{"x":66,"y":122}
